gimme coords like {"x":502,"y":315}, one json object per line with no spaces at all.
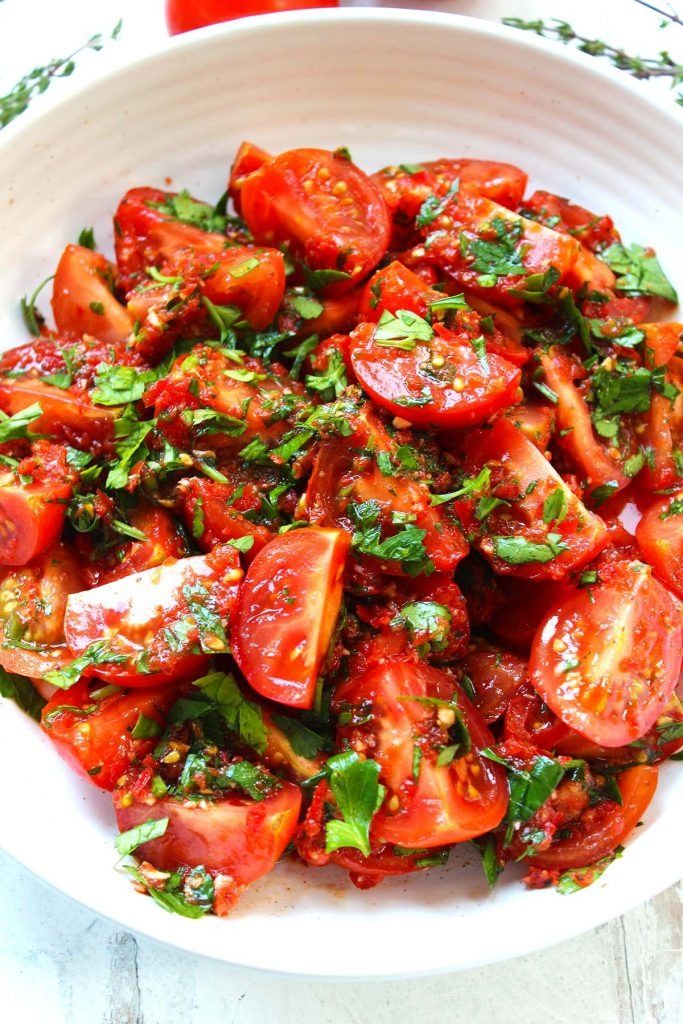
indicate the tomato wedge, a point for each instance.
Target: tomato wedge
{"x":68,"y":414}
{"x":433,"y":378}
{"x":660,"y":538}
{"x":433,"y":805}
{"x":94,"y":736}
{"x":82,"y":299}
{"x":329,"y":211}
{"x":235,"y":836}
{"x":160,"y":625}
{"x":540,"y":530}
{"x":601,"y":829}
{"x":32,"y":513}
{"x":287,"y":611}
{"x":607,"y":661}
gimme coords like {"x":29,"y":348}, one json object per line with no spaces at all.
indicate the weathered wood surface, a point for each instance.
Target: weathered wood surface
{"x":61,"y":965}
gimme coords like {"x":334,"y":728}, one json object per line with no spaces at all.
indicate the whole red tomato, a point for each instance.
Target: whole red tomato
{"x":184,"y":15}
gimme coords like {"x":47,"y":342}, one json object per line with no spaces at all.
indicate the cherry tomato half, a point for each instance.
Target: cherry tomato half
{"x":607,"y":661}
{"x":660,"y":538}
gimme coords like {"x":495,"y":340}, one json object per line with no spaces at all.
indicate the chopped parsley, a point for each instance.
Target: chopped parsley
{"x":358,"y":794}
{"x":638,"y":271}
{"x":519,"y":551}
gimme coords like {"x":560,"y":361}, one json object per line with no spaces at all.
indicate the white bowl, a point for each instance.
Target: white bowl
{"x":391,"y":85}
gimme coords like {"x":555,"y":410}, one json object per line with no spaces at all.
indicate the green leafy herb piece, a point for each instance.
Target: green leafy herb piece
{"x":495,"y":258}
{"x":580,"y":878}
{"x":638,"y":272}
{"x":22,"y":692}
{"x":145,"y":728}
{"x":358,"y":794}
{"x":402,"y":330}
{"x":30,"y":314}
{"x":128,"y":841}
{"x":427,"y":620}
{"x":555,"y":506}
{"x":64,"y":379}
{"x":307,"y":306}
{"x":14,"y":427}
{"x":489,"y":859}
{"x":98,"y":653}
{"x":519,"y":551}
{"x":119,"y":385}
{"x":449,"y":302}
{"x":529,"y":789}
{"x":187,"y":899}
{"x":256,"y":781}
{"x":184,"y":208}
{"x":674,"y":509}
{"x":434,"y":206}
{"x":331,"y":382}
{"x":479,"y":346}
{"x":130,"y":448}
{"x":304,"y":741}
{"x":405,"y":546}
{"x":471,"y":486}
{"x":240,"y":715}
{"x":86,"y":238}
{"x":318,"y":279}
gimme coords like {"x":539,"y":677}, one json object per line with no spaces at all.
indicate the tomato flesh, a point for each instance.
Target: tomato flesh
{"x":660,"y":538}
{"x":160,"y":613}
{"x":82,"y":299}
{"x":607,"y":662}
{"x":238,"y":837}
{"x":457,"y":390}
{"x":443,"y":804}
{"x":287,"y":611}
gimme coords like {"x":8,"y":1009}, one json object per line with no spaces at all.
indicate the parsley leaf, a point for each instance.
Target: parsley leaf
{"x":674,"y":509}
{"x":239,"y":714}
{"x":529,"y":789}
{"x":14,"y":427}
{"x":638,"y":272}
{"x":130,"y":448}
{"x":119,"y":385}
{"x":358,"y":794}
{"x":98,"y":653}
{"x":402,"y":330}
{"x":187,"y":210}
{"x":303,"y":741}
{"x":428,"y":621}
{"x":519,"y":551}
{"x":555,"y":506}
{"x":331,"y":382}
{"x":405,"y":546}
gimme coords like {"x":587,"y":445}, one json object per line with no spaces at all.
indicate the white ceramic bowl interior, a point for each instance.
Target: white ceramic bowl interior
{"x":392,"y":86}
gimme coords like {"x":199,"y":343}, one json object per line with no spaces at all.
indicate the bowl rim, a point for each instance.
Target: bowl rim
{"x":195,"y":39}
{"x":150,"y":925}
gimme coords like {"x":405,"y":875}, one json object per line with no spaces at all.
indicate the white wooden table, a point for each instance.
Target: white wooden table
{"x":59,"y":964}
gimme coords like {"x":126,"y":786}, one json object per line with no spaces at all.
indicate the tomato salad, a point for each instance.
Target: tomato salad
{"x":343,"y":520}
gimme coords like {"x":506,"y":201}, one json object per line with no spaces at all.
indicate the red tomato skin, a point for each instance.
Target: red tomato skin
{"x":185,"y":15}
{"x":99,"y":745}
{"x":595,"y":232}
{"x":32,"y":514}
{"x":405,"y":192}
{"x":238,"y":837}
{"x":396,"y":287}
{"x":661,"y":542}
{"x":220,"y":523}
{"x":249,"y":158}
{"x":278,"y":645}
{"x":80,"y":290}
{"x":278,"y":208}
{"x":604,"y":827}
{"x":582,"y":629}
{"x":573,"y":416}
{"x":389,"y":375}
{"x":164,"y":541}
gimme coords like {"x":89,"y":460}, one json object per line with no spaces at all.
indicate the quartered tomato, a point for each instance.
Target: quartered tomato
{"x":235,"y":836}
{"x":159,"y":625}
{"x":407,"y":711}
{"x":407,"y":186}
{"x":593,"y":231}
{"x":607,"y":661}
{"x":211,"y":518}
{"x":287,"y":611}
{"x":535,"y":526}
{"x":249,"y":158}
{"x":431,"y":377}
{"x":82,"y":299}
{"x":396,"y":287}
{"x":95,"y":733}
{"x":602,"y":828}
{"x":577,"y":437}
{"x":660,"y":538}
{"x":330,"y":213}
{"x":33,"y":500}
{"x":68,"y":414}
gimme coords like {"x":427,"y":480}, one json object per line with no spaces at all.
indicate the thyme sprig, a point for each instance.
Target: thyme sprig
{"x":16,"y":101}
{"x":661,"y":66}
